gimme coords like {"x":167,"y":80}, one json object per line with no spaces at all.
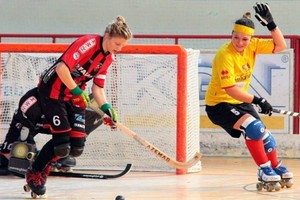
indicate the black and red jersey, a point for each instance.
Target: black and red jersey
{"x":86,"y":60}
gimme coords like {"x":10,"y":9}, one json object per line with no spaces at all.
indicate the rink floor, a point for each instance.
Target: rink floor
{"x":220,"y":178}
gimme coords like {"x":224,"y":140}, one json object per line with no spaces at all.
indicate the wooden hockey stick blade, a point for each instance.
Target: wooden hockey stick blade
{"x":170,"y":161}
{"x":286,"y":112}
{"x":92,"y":176}
{"x":159,"y":153}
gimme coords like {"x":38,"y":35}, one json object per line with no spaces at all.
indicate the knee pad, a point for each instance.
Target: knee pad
{"x":77,"y":146}
{"x":255,"y":129}
{"x":62,"y":150}
{"x":76,"y":151}
{"x":269,"y":142}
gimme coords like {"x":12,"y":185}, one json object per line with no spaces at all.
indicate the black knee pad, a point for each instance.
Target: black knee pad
{"x":77,"y":146}
{"x":76,"y":151}
{"x":62,"y":150}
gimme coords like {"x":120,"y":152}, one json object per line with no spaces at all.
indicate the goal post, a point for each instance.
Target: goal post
{"x":154,"y":88}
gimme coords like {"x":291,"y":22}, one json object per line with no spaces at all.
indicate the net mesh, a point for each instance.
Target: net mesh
{"x":142,"y":88}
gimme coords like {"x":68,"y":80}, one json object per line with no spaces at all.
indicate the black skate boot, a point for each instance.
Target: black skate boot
{"x":64,"y":164}
{"x":3,"y":165}
{"x":35,"y":182}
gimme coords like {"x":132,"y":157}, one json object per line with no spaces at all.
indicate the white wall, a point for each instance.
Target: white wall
{"x":143,"y":16}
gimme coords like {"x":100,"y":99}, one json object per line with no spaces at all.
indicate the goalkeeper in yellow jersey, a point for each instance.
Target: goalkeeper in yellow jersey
{"x":228,"y":103}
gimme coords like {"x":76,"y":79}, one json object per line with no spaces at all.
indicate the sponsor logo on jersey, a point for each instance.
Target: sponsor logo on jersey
{"x":76,"y":55}
{"x":98,"y":67}
{"x":79,"y":118}
{"x":97,"y":121}
{"x":83,"y":71}
{"x":28,"y":103}
{"x":86,"y":46}
{"x":242,"y":77}
{"x":79,"y":125}
{"x":224,"y":74}
{"x":245,"y":67}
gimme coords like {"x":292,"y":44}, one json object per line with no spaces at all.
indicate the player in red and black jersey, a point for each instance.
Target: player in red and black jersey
{"x":63,"y":100}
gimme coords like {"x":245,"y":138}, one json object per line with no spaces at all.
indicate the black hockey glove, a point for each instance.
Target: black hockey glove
{"x":264,"y":16}
{"x":264,"y":106}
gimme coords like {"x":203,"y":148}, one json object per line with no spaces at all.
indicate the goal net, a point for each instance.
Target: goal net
{"x":154,"y":88}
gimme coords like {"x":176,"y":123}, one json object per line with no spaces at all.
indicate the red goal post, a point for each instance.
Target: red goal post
{"x":182,"y":116}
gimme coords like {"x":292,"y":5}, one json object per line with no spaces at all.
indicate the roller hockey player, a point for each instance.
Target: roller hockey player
{"x":18,"y":150}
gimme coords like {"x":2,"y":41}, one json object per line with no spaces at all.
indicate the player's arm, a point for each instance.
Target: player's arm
{"x":64,"y":74}
{"x":278,"y":39}
{"x":100,"y":98}
{"x":264,"y":16}
{"x":80,"y":98}
{"x":99,"y":94}
{"x":238,"y":94}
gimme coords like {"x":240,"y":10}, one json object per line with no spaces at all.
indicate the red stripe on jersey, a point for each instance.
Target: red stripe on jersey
{"x":77,"y":134}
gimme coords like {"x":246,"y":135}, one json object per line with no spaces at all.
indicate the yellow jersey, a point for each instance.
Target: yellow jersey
{"x":230,"y":68}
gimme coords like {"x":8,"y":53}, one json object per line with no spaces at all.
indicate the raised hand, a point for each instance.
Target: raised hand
{"x":264,"y":16}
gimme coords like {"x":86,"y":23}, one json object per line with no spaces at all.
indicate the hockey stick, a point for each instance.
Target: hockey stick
{"x":92,"y":176}
{"x":152,"y":148}
{"x":286,"y":112}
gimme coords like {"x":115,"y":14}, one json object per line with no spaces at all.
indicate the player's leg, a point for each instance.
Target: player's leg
{"x":3,"y":165}
{"x":254,"y":134}
{"x":281,"y":170}
{"x":77,"y":134}
{"x":15,"y":131}
{"x":92,"y":121}
{"x":238,"y":119}
{"x":58,"y":146}
{"x":21,"y":128}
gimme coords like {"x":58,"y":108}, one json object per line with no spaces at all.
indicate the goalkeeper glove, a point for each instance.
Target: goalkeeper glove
{"x":264,"y":106}
{"x":264,"y":16}
{"x":112,"y":113}
{"x":80,"y":98}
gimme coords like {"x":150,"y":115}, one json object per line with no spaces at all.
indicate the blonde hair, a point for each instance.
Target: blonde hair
{"x":119,"y":28}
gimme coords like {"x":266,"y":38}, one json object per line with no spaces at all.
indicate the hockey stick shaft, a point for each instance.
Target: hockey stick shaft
{"x":92,"y":176}
{"x":286,"y":112}
{"x":172,"y":162}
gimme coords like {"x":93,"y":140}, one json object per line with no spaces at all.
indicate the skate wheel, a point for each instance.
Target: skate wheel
{"x":289,"y":183}
{"x":259,"y":186}
{"x":30,"y":156}
{"x":26,"y":188}
{"x":34,"y":195}
{"x":277,"y":186}
{"x":269,"y":187}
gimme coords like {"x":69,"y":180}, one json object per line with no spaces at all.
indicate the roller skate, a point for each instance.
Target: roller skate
{"x":63,"y":164}
{"x":286,"y":176}
{"x":35,"y":184}
{"x":268,"y":178}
